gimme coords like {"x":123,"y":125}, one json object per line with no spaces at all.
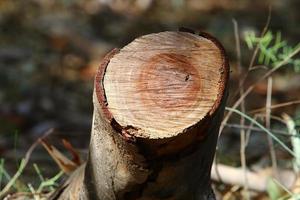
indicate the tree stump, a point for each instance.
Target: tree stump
{"x":158,"y":104}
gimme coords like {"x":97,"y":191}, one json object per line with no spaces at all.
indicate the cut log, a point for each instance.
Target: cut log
{"x":158,"y":104}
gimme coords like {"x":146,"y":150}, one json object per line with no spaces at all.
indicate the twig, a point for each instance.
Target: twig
{"x":262,"y":34}
{"x":259,"y":67}
{"x":280,"y":105}
{"x":263,"y":128}
{"x":272,"y":117}
{"x":250,"y":88}
{"x":253,"y":57}
{"x":242,"y":120}
{"x":248,"y":133}
{"x":283,"y":186}
{"x":228,"y":195}
{"x":215,"y":163}
{"x":251,"y":128}
{"x":268,"y":125}
{"x":257,"y":180}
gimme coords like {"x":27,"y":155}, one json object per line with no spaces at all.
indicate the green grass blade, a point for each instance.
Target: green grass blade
{"x":262,"y":128}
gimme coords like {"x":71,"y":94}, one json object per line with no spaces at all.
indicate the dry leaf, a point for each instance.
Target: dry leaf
{"x":64,"y":163}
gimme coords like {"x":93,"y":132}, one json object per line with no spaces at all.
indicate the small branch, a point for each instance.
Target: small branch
{"x":242,"y":120}
{"x":263,"y":128}
{"x":257,"y":180}
{"x":283,"y":133}
{"x":250,"y":88}
{"x":268,"y":125}
{"x":280,"y":105}
{"x":253,"y":57}
{"x":262,"y":34}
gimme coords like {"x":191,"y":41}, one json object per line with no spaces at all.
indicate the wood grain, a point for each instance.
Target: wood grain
{"x":161,"y":84}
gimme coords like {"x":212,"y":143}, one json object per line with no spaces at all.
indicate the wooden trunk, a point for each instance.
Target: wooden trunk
{"x":158,"y":104}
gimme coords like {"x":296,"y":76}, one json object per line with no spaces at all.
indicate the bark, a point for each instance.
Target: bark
{"x":158,"y":105}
